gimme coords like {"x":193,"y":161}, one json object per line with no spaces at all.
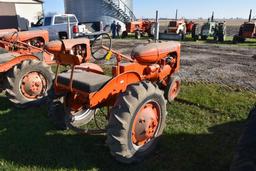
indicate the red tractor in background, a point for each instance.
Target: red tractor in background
{"x":246,"y":31}
{"x":139,"y":28}
{"x":25,"y":72}
{"x":134,"y":97}
{"x":189,"y":26}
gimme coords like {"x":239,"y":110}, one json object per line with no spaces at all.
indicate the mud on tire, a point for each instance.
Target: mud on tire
{"x":122,"y":118}
{"x":14,"y":83}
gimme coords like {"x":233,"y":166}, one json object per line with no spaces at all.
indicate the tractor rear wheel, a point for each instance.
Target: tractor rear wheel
{"x":63,"y":118}
{"x":28,"y":83}
{"x":124,"y":34}
{"x":137,"y":34}
{"x":136,"y":122}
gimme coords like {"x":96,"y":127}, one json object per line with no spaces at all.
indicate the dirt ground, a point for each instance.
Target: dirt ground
{"x":229,"y":65}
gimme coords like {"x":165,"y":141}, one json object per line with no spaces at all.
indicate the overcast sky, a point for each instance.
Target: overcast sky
{"x":187,"y":8}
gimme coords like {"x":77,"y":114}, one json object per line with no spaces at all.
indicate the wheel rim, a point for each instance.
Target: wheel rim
{"x":174,"y":89}
{"x":75,"y":107}
{"x":145,"y":124}
{"x":33,"y":85}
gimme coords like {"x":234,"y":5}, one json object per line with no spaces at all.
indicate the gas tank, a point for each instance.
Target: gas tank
{"x":154,"y":52}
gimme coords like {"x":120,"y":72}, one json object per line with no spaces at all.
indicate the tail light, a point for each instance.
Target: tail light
{"x":75,"y":29}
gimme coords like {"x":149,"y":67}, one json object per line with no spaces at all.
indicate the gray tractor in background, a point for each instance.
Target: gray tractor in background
{"x":211,"y":28}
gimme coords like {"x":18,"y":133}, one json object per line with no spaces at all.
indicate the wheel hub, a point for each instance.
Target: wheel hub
{"x":33,"y":85}
{"x":145,"y":124}
{"x":174,"y":90}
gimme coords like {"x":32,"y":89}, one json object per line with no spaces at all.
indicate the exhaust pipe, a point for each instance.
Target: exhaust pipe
{"x":176,"y":15}
{"x":157,"y":27}
{"x":212,"y":19}
{"x":250,"y":16}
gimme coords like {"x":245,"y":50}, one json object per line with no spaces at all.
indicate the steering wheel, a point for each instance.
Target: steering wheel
{"x":101,"y":46}
{"x":15,"y":40}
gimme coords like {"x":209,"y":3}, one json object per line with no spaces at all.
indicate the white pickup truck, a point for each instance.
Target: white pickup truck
{"x":57,"y":27}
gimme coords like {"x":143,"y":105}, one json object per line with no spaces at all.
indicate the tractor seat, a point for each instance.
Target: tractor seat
{"x":6,"y":57}
{"x":84,"y":81}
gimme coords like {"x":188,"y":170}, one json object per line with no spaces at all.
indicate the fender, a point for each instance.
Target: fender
{"x":113,"y":87}
{"x":17,"y":60}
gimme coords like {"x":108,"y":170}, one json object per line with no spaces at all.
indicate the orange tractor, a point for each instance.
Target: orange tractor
{"x":134,"y":97}
{"x":246,"y":31}
{"x":139,"y":28}
{"x":177,"y":30}
{"x":25,"y":74}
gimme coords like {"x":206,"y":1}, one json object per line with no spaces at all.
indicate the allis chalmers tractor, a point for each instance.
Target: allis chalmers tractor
{"x":134,"y":96}
{"x":212,"y":28}
{"x":139,"y":28}
{"x":25,"y":74}
{"x":177,"y":30}
{"x":177,"y":27}
{"x":247,"y":30}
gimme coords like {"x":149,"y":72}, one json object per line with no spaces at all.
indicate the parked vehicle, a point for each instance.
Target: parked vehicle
{"x":25,"y":72}
{"x":57,"y":27}
{"x":211,"y":28}
{"x":135,"y":96}
{"x":139,"y":28}
{"x":246,"y":31}
{"x":178,"y":27}
{"x":177,"y":30}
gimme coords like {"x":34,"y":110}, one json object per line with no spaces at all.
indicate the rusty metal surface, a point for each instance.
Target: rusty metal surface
{"x":70,"y":43}
{"x":26,"y":35}
{"x":8,"y":65}
{"x":7,"y":31}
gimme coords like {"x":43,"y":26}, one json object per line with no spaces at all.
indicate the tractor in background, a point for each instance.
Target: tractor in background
{"x":177,"y":27}
{"x":25,"y":72}
{"x":139,"y":28}
{"x":211,"y":28}
{"x":135,"y":96}
{"x":246,"y":31}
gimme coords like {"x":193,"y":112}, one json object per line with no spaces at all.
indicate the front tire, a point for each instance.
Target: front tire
{"x":63,"y":118}
{"x":136,"y":122}
{"x":204,"y":37}
{"x":28,"y":83}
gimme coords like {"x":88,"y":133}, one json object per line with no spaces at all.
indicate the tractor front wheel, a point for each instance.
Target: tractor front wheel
{"x":63,"y":117}
{"x":204,"y":37}
{"x":136,"y":122}
{"x":28,"y":83}
{"x":173,"y":88}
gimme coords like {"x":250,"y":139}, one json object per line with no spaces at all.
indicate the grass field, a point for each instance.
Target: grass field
{"x":202,"y":130}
